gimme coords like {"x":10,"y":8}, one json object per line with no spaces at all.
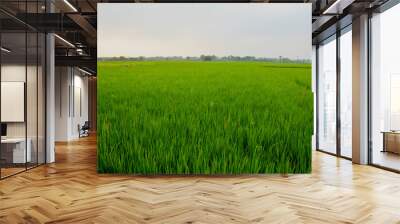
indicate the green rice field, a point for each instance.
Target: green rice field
{"x":197,"y":117}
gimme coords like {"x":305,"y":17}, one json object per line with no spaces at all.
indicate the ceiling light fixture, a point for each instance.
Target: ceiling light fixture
{"x":64,"y":40}
{"x":84,"y":71}
{"x":79,"y":51}
{"x":335,"y":5}
{"x":5,"y":50}
{"x":70,"y":5}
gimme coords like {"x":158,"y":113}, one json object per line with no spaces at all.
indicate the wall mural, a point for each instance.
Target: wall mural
{"x":204,"y":88}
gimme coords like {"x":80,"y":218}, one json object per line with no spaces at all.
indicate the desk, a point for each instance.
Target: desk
{"x":13,"y":150}
{"x":391,"y":141}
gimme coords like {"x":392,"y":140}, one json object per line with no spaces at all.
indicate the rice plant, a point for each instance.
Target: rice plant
{"x":192,"y":117}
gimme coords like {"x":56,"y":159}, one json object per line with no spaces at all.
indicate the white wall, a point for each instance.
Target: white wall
{"x":12,"y":73}
{"x":62,"y":82}
{"x":80,"y":89}
{"x":33,"y":126}
{"x":71,"y":87}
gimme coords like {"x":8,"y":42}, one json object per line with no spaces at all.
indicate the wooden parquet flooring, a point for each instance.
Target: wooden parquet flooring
{"x":70,"y":191}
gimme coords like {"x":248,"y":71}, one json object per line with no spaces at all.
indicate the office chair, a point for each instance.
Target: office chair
{"x":84,"y":130}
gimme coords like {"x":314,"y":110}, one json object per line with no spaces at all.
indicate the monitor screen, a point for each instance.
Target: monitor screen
{"x":3,"y":129}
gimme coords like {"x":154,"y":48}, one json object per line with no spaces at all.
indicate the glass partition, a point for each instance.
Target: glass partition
{"x":346,"y":93}
{"x":22,"y":77}
{"x":385,"y":89}
{"x":327,"y":96}
{"x":32,"y":95}
{"x":14,"y":153}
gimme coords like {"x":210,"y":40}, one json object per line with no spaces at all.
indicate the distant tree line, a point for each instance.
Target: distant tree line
{"x":205,"y":58}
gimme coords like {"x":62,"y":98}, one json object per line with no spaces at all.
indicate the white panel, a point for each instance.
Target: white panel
{"x":12,"y":101}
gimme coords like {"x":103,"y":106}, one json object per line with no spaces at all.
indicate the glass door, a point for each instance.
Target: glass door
{"x":327,"y":95}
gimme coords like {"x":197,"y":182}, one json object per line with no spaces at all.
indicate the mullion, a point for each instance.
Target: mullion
{"x":338,"y":92}
{"x":0,"y":95}
{"x":37,"y":90}
{"x":317,"y":96}
{"x":26,"y":86}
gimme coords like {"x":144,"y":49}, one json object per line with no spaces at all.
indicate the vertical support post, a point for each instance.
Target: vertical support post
{"x":316,"y":97}
{"x":369,"y":126}
{"x":338,"y":81}
{"x":314,"y":90}
{"x":50,"y":92}
{"x":26,"y":87}
{"x":360,"y":89}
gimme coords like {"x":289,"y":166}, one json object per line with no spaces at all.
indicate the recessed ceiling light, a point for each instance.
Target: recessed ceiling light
{"x":337,"y":7}
{"x":64,"y":40}
{"x":84,"y":71}
{"x":70,"y":5}
{"x":5,"y":50}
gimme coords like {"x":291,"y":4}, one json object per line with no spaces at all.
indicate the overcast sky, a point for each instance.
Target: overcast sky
{"x":261,"y":30}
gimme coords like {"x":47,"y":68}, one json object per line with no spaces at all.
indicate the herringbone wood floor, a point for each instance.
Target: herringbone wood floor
{"x":70,"y":191}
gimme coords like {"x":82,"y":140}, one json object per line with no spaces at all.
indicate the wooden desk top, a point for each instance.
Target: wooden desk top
{"x":391,"y":132}
{"x":13,"y":140}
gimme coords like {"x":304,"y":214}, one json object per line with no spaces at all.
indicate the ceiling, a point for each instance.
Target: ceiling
{"x":75,"y":21}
